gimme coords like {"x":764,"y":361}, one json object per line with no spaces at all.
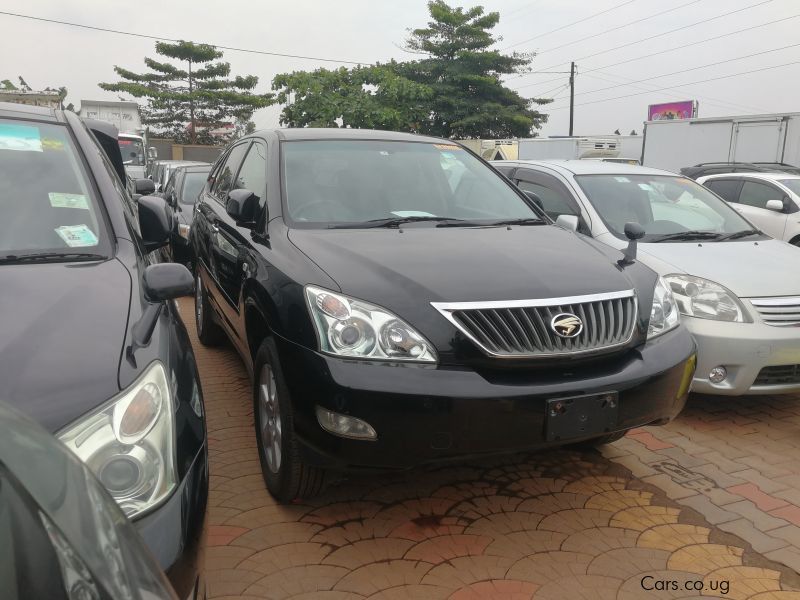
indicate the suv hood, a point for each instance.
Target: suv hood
{"x":748,"y":269}
{"x":459,"y":264}
{"x":62,"y":329}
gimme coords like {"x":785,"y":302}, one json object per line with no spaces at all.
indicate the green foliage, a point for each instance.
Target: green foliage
{"x":455,"y":91}
{"x":187,"y":101}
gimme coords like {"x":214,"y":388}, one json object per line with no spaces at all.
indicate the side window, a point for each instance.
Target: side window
{"x":727,"y":189}
{"x":170,"y":185}
{"x":505,"y":170}
{"x":253,"y":174}
{"x":757,"y":194}
{"x":224,"y":182}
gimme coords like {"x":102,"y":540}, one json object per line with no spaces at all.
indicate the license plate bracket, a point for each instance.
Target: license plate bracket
{"x":581,"y":416}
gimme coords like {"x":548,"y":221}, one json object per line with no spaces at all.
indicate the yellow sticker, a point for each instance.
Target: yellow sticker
{"x":51,"y":144}
{"x":447,"y":147}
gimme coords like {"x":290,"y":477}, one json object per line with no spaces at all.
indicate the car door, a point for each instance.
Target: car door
{"x":753,"y":199}
{"x":556,"y":199}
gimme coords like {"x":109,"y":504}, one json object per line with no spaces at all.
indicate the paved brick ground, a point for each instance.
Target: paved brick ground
{"x":711,"y":499}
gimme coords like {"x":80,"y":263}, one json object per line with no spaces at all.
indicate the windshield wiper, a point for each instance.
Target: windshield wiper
{"x":523,"y":221}
{"x":388,"y":223}
{"x":686,"y":235}
{"x":51,"y":257}
{"x":739,"y":234}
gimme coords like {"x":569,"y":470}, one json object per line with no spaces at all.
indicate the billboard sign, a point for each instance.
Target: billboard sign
{"x":685,"y":109}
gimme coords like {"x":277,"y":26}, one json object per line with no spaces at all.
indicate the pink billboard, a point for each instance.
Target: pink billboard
{"x":685,"y":109}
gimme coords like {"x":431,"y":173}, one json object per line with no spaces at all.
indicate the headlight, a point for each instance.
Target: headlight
{"x":183,"y":230}
{"x":129,"y":443}
{"x":354,"y":328}
{"x":704,"y":299}
{"x":664,"y":313}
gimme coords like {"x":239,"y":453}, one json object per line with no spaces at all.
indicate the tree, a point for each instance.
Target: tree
{"x":188,"y":103}
{"x":456,"y":91}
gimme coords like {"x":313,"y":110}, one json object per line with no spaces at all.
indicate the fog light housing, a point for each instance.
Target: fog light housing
{"x":717,"y":374}
{"x":344,"y":425}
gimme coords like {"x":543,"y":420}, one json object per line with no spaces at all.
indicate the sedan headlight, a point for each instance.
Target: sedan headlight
{"x":129,"y":442}
{"x":704,"y":299}
{"x":663,"y":313}
{"x":354,"y":328}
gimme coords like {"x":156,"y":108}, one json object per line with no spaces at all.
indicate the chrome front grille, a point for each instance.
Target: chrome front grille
{"x":523,"y":328}
{"x":778,"y":312}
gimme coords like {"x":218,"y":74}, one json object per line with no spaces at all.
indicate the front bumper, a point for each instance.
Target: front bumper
{"x":743,"y":349}
{"x":175,"y":532}
{"x":424,"y":414}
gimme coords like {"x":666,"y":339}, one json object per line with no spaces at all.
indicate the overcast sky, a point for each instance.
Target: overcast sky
{"x":371,"y":30}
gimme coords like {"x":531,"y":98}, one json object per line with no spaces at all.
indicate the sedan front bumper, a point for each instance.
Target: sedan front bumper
{"x":437,"y":413}
{"x":744,"y":349}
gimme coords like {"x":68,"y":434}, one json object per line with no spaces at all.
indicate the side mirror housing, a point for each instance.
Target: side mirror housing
{"x":776,"y":205}
{"x":144,"y":187}
{"x":568,"y":222}
{"x":166,"y":281}
{"x":152,"y":153}
{"x":633,"y":231}
{"x":533,"y":197}
{"x":155,"y":222}
{"x":242,"y":207}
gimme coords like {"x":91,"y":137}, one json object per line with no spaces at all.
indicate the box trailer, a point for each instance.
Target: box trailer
{"x":672,"y":145}
{"x":595,"y":146}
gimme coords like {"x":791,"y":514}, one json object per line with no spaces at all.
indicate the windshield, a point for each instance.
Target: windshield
{"x":356,"y":181}
{"x":132,"y":151}
{"x":662,"y":204}
{"x":46,"y":202}
{"x":192,"y":185}
{"x":792,"y":184}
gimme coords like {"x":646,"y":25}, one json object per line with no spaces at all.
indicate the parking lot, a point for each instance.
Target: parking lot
{"x":708,"y":506}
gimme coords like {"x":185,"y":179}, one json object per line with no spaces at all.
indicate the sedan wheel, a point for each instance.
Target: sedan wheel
{"x":270,"y":418}
{"x":208,"y":331}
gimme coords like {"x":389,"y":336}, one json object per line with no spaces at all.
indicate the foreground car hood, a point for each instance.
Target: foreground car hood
{"x":62,"y":328}
{"x":748,"y":269}
{"x":460,"y":264}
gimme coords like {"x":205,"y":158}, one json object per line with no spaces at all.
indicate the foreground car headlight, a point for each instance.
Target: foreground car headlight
{"x":663,"y":313}
{"x":704,"y":299}
{"x":129,"y":442}
{"x":349,"y":327}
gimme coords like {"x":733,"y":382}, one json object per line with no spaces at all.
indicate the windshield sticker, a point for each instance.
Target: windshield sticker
{"x":646,"y":186}
{"x":447,"y":147}
{"x":51,"y":144}
{"x":412,"y":213}
{"x":622,"y":179}
{"x":77,"y":236}
{"x":21,"y":138}
{"x":58,"y":200}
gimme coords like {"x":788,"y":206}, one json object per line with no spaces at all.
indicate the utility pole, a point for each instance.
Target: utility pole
{"x":571,"y":97}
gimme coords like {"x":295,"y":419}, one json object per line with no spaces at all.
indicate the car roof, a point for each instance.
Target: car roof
{"x":770,"y":176}
{"x":333,"y":133}
{"x":25,"y":111}
{"x":199,"y":167}
{"x":587,"y":167}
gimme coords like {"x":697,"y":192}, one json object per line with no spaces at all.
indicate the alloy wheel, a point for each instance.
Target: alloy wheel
{"x":269,"y":418}
{"x":198,"y":301}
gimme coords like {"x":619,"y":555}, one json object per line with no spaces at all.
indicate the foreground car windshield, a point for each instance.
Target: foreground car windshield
{"x":193,"y":183}
{"x":663,"y":205}
{"x":46,"y":203}
{"x":330,"y":182}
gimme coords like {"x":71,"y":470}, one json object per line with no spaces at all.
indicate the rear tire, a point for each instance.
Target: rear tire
{"x":208,"y":331}
{"x":287,"y":476}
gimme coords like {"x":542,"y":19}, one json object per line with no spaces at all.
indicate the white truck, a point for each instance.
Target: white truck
{"x":132,"y":140}
{"x":672,"y":145}
{"x":593,"y":146}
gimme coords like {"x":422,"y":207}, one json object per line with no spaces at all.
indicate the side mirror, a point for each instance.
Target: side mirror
{"x":242,"y":207}
{"x":144,"y":187}
{"x":776,"y":205}
{"x":166,"y":281}
{"x":152,"y":153}
{"x":633,"y":231}
{"x":568,"y":222}
{"x":535,"y":199}
{"x":155,"y":222}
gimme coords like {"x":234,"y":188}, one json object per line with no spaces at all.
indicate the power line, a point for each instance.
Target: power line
{"x":662,"y":34}
{"x":523,"y":8}
{"x":681,"y":47}
{"x":602,"y":12}
{"x":594,"y":35}
{"x":160,"y":38}
{"x":682,"y":84}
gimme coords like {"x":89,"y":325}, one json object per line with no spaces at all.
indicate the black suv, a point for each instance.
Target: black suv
{"x":91,"y":345}
{"x":398,"y":301}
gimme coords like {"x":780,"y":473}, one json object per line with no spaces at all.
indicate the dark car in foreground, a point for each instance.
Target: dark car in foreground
{"x":91,"y":346}
{"x":63,"y":536}
{"x":398,"y":302}
{"x":181,"y":192}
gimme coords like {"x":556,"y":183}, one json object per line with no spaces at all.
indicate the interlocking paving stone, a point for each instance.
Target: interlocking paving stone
{"x":569,"y":523}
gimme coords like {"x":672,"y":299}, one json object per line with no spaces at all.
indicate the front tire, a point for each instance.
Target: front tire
{"x":287,"y":476}
{"x":208,"y":331}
